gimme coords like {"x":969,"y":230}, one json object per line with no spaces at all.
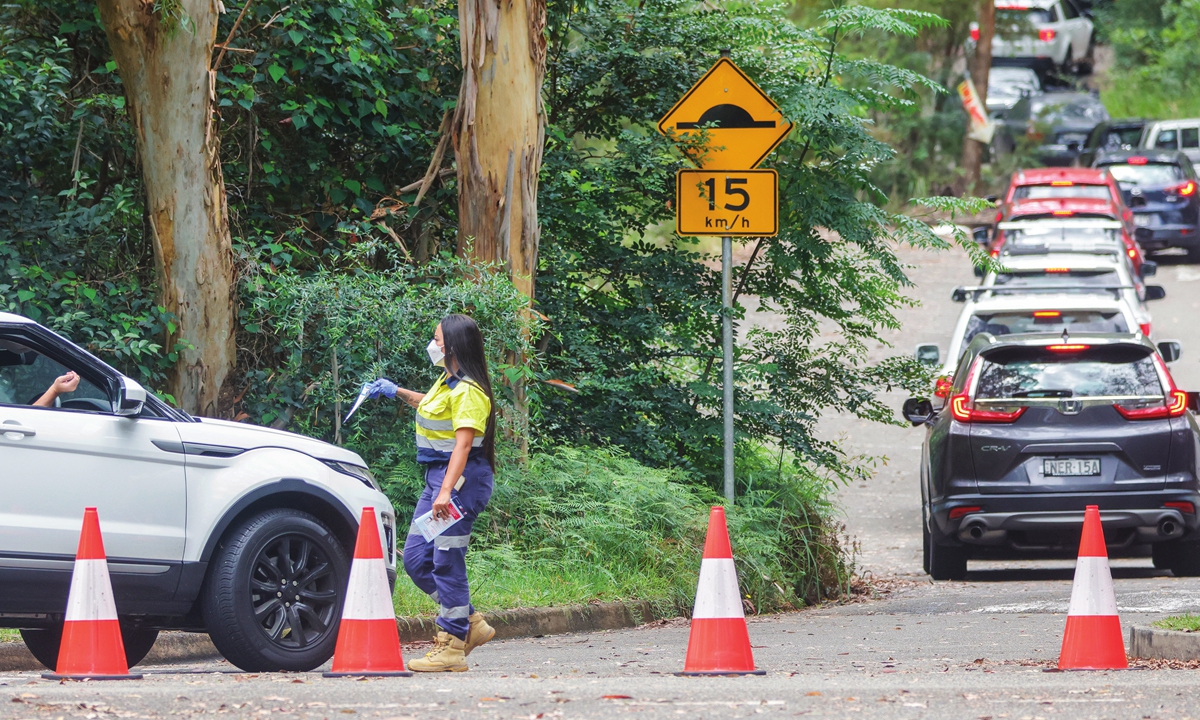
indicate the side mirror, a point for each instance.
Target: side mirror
{"x":982,"y":235}
{"x":928,"y":354}
{"x":130,"y":398}
{"x":960,"y":294}
{"x":1149,"y":268}
{"x":917,"y":412}
{"x":1193,"y":402}
{"x":1170,"y":350}
{"x":979,"y":272}
{"x":1155,"y":292}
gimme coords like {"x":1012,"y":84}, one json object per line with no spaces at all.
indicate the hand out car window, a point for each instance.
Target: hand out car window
{"x":1038,"y":192}
{"x":1147,"y":175}
{"x":1018,"y":372}
{"x":25,"y":375}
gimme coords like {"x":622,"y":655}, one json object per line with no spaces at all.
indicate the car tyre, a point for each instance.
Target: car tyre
{"x":43,"y":644}
{"x":293,"y":628}
{"x":1068,"y":64}
{"x":942,"y":562}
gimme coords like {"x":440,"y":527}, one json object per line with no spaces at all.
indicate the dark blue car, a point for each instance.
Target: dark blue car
{"x":1162,"y":190}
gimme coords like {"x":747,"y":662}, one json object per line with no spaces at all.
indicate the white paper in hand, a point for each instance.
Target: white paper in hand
{"x":431,"y":528}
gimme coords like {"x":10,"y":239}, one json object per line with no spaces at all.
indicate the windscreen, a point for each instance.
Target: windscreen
{"x":1047,"y":321}
{"x":1038,"y":192}
{"x":1097,"y":372}
{"x":1149,"y":175}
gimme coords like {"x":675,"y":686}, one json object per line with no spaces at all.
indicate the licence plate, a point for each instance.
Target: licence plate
{"x":1070,"y":467}
{"x":1143,"y":220}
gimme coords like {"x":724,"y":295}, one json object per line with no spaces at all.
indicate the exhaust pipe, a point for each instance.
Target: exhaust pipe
{"x":976,"y":531}
{"x":1168,"y":527}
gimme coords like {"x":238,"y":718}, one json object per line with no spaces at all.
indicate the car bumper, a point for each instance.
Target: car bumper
{"x":1046,"y":521}
{"x":1166,"y":236}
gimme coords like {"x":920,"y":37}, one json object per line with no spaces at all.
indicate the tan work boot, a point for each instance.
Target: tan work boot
{"x":447,"y":655}
{"x":479,"y":633}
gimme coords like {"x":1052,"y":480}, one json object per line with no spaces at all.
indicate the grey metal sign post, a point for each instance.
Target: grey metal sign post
{"x":727,"y":356}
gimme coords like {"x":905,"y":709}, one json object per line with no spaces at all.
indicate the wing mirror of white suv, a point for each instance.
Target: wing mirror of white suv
{"x":130,"y":398}
{"x":928,"y":354}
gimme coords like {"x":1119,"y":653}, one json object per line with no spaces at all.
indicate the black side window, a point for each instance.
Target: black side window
{"x":1068,"y":10}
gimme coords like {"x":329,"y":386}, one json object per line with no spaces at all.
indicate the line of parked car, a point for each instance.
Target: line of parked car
{"x":1052,"y":395}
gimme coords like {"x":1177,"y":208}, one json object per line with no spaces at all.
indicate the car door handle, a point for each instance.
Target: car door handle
{"x":10,"y":426}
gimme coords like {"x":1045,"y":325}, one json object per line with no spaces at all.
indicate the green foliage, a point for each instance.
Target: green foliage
{"x":644,"y":355}
{"x":592,"y":524}
{"x":71,"y":245}
{"x":1183,"y":623}
{"x":1156,"y":46}
{"x":367,"y":325}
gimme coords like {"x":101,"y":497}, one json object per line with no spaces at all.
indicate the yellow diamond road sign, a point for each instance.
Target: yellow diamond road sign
{"x":744,"y":125}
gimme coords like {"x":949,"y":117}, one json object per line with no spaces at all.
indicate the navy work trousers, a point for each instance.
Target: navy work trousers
{"x":439,"y":568}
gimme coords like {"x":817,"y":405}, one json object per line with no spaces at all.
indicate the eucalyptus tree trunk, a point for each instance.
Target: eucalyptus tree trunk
{"x":499,"y":129}
{"x":980,"y":65}
{"x":163,"y":50}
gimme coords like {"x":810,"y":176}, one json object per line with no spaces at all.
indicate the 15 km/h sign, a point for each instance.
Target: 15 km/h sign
{"x":727,"y":202}
{"x":744,"y":125}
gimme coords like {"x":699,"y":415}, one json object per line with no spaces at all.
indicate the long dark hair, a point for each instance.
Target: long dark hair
{"x":464,"y":345}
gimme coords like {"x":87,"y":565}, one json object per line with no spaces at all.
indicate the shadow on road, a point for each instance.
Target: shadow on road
{"x":1043,"y":574}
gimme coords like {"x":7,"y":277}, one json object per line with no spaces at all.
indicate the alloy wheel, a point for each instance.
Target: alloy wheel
{"x":292,"y":591}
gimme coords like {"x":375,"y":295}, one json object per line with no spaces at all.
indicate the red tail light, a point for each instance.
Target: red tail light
{"x":942,"y":389}
{"x":1187,"y":189}
{"x":1174,"y":402}
{"x":961,"y":410}
{"x":1145,"y":328}
{"x":1132,"y":253}
{"x":1046,"y":34}
{"x":999,"y":216}
{"x":975,"y":34}
{"x":956,"y":513}
{"x":1184,"y":507}
{"x":1067,"y":348}
{"x":1136,"y":160}
{"x":996,"y":252}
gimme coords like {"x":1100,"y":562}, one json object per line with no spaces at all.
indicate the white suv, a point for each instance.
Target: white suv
{"x":241,"y":531}
{"x":1042,"y":31}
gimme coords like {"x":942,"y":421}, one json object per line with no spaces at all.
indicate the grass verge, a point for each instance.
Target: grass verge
{"x":1183,"y":623}
{"x":578,"y":525}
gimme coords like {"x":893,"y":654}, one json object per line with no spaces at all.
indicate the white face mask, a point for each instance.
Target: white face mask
{"x":436,"y":356}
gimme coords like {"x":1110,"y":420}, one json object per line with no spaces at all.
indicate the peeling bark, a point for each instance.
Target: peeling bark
{"x":169,"y":95}
{"x":499,"y":129}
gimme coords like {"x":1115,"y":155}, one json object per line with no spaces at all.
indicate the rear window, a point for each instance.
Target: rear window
{"x":1048,"y":321}
{"x":1050,"y":278}
{"x":1035,"y":239}
{"x":1037,"y":192}
{"x":1123,"y":138}
{"x":1019,"y":21}
{"x":1102,"y":372}
{"x":1147,"y":175}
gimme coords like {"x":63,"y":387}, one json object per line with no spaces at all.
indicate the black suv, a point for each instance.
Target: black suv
{"x":1039,"y":426}
{"x":1162,"y":190}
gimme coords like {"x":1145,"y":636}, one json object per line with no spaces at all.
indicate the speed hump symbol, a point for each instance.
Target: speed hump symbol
{"x":727,"y":202}
{"x":744,"y":125}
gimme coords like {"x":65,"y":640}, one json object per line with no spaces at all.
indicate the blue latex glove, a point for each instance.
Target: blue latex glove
{"x":373,"y":389}
{"x":382,"y":386}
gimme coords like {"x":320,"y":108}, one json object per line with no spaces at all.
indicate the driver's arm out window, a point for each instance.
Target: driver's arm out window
{"x":26,"y":374}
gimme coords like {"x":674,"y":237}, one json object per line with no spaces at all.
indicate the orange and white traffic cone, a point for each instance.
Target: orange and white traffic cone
{"x":720,"y":642}
{"x":368,"y":642}
{"x":91,"y":647}
{"x":1093,"y":638}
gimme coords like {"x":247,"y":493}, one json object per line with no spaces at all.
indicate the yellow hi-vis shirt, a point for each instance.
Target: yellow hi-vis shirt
{"x":449,"y":405}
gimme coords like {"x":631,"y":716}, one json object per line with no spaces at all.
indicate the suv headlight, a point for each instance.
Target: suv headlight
{"x":355,"y":471}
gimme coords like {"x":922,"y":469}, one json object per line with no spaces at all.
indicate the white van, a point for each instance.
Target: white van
{"x":1181,"y":135}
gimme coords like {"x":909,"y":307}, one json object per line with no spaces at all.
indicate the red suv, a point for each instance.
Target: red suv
{"x":1066,"y":183}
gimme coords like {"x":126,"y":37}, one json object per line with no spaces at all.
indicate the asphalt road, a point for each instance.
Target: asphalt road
{"x":983,"y":648}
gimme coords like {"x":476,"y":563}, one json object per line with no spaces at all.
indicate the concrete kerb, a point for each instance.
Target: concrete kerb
{"x":181,"y":647}
{"x":1157,"y":644}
